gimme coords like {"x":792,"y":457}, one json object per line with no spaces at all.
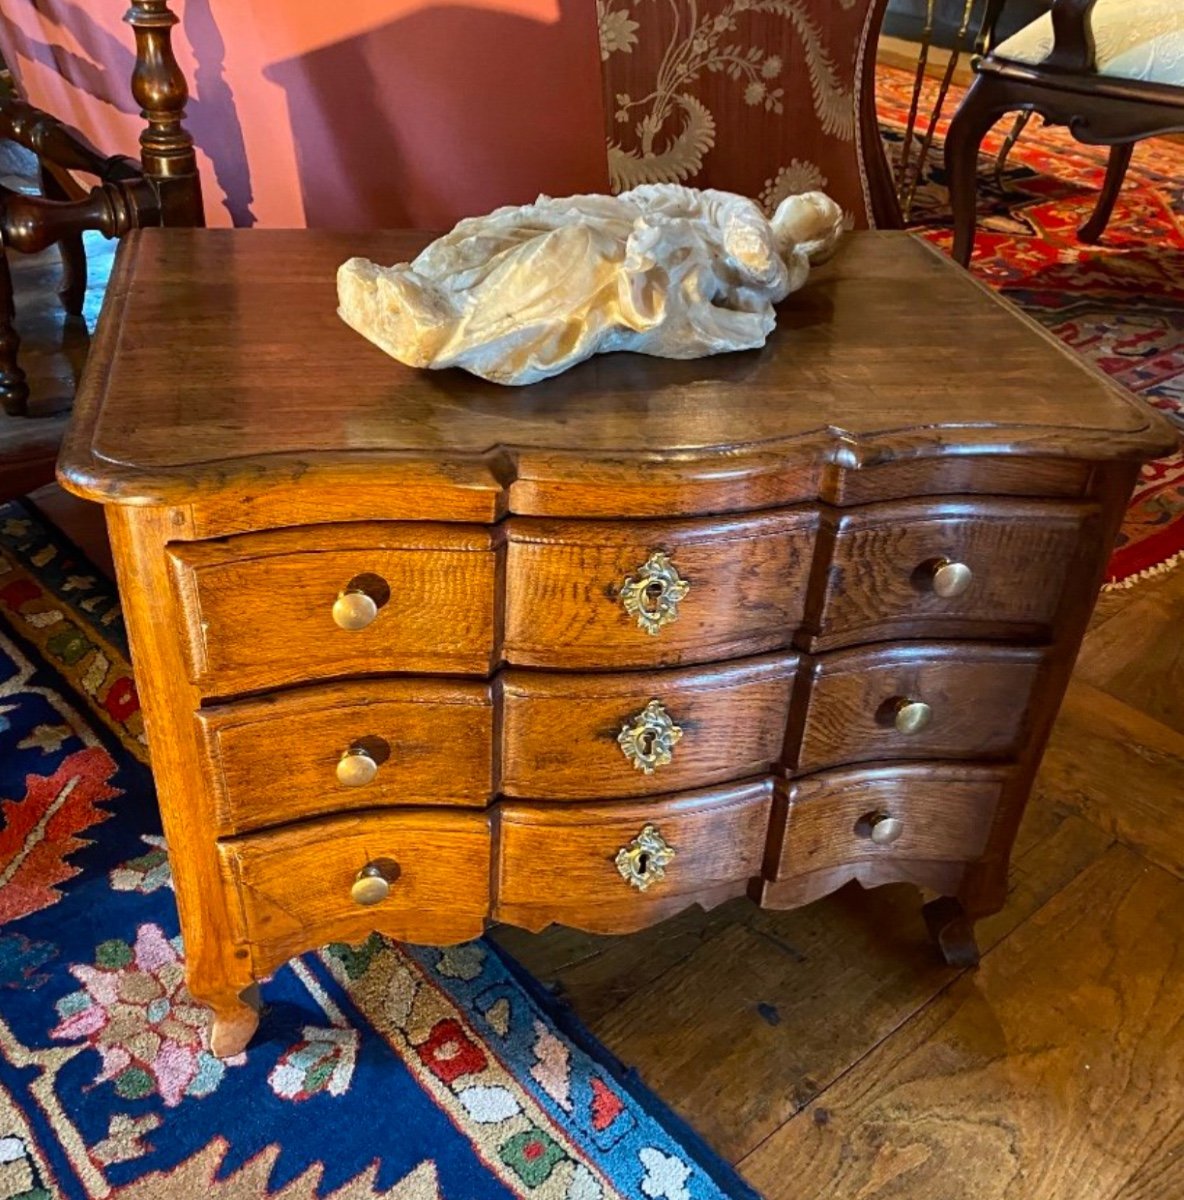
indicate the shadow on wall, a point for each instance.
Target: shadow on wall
{"x":439,"y":113}
{"x":446,"y":113}
{"x":105,"y":75}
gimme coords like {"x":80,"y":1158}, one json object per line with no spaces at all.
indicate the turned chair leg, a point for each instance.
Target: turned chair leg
{"x":1120,"y":159}
{"x":73,"y":251}
{"x":979,"y":110}
{"x":14,"y":389}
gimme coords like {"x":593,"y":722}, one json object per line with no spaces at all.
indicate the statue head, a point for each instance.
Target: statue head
{"x":808,"y":224}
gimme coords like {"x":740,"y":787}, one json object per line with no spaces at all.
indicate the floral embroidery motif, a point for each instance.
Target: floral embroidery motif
{"x":792,"y":180}
{"x":704,"y":42}
{"x":618,"y":30}
{"x":323,"y":1062}
{"x":146,"y":873}
{"x":134,"y":1010}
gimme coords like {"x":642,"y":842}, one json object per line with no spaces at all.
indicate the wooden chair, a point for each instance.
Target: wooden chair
{"x":1112,"y":71}
{"x":162,"y":188}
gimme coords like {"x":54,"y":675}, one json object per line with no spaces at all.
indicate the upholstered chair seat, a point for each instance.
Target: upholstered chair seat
{"x":1133,"y":39}
{"x":1111,"y":71}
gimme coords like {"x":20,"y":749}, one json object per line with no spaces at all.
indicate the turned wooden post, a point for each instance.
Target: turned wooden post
{"x":158,"y":84}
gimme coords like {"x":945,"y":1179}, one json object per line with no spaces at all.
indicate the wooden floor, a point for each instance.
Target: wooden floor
{"x":829,"y":1053}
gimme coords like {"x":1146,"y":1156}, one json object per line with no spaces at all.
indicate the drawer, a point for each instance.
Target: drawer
{"x":589,"y":594}
{"x":982,"y":568}
{"x":613,"y":868}
{"x":928,"y":812}
{"x":263,"y":610}
{"x":299,"y":887}
{"x":316,"y":751}
{"x":918,"y":700}
{"x":567,"y":737}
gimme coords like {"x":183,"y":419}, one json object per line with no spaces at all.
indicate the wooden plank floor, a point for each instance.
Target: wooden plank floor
{"x":829,"y":1053}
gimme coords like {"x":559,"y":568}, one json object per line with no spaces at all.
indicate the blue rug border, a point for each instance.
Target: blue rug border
{"x":717,"y":1168}
{"x":560,"y":1011}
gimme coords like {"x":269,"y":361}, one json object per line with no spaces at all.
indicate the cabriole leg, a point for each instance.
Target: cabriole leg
{"x":234,"y":1019}
{"x":1120,"y":159}
{"x":952,"y":930}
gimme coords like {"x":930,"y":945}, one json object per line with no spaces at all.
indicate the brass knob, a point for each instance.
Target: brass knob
{"x":653,"y":593}
{"x":354,"y":609}
{"x":648,"y":740}
{"x":884,"y":830}
{"x":370,"y":885}
{"x":911,"y":716}
{"x":951,"y":579}
{"x":356,"y":767}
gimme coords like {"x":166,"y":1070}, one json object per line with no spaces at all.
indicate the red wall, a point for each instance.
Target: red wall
{"x":343,"y":113}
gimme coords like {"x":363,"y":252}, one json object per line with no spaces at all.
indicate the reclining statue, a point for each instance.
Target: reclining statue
{"x":525,"y":293}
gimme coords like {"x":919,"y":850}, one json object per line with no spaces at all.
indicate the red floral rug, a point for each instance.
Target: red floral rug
{"x":1119,"y":304}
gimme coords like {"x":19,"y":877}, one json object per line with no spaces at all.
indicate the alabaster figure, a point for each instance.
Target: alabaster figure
{"x":525,"y":293}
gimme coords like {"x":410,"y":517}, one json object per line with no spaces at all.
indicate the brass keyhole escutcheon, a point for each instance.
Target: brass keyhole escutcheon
{"x":653,"y":593}
{"x":648,"y":740}
{"x":644,"y":861}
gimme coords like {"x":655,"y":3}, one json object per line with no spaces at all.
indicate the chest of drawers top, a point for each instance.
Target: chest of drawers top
{"x":222,"y":383}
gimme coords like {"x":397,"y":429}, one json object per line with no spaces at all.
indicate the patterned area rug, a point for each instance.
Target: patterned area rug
{"x":1119,"y":304}
{"x":379,"y":1071}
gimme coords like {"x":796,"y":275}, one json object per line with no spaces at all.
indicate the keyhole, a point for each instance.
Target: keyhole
{"x":646,"y":741}
{"x":643,"y":863}
{"x":654,"y":593}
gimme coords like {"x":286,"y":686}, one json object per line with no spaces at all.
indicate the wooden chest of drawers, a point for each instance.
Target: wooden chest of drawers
{"x":416,"y":652}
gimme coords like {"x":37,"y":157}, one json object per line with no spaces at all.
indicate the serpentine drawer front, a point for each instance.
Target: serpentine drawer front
{"x":313,"y":751}
{"x":950,"y":568}
{"x":916,"y":813}
{"x":593,"y":594}
{"x":574,"y":736}
{"x":918,"y":700}
{"x":425,"y":871}
{"x":297,"y":605}
{"x":416,"y":652}
{"x":628,"y":864}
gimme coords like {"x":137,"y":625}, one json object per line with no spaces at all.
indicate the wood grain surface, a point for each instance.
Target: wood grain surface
{"x":853,"y":376}
{"x":956,"y":1107}
{"x":259,"y":608}
{"x":275,"y":759}
{"x":946,"y":813}
{"x":560,"y":731}
{"x":556,"y":863}
{"x":747,"y":587}
{"x":978,"y":696}
{"x":879,"y":584}
{"x":294,"y":883}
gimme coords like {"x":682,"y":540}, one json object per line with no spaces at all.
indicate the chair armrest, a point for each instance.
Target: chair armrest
{"x":58,"y":144}
{"x":1073,"y":39}
{"x":31,"y":223}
